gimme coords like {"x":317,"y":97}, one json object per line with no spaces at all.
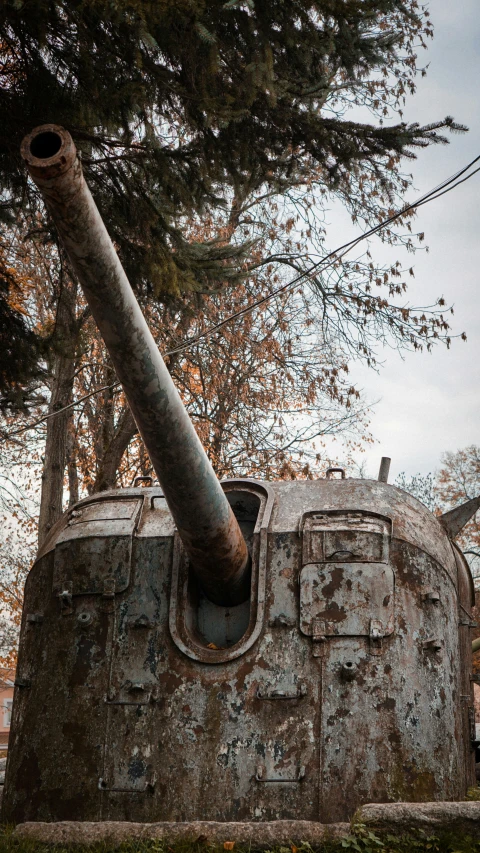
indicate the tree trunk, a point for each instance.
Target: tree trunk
{"x":145,"y":465}
{"x":73,"y":485}
{"x":112,"y":454}
{"x":63,"y":373}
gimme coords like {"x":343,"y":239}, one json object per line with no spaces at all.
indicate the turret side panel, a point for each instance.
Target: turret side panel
{"x":466,"y":598}
{"x":137,"y":742}
{"x":59,"y":717}
{"x":392,"y":720}
{"x":237,"y":741}
{"x":113,"y":721}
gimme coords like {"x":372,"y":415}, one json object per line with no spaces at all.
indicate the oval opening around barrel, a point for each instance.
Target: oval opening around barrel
{"x":207,"y":632}
{"x":215,"y":626}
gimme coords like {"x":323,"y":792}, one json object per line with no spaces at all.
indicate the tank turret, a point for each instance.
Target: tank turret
{"x":164,"y":676}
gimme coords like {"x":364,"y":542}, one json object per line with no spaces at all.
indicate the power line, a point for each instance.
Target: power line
{"x":59,"y":411}
{"x":328,"y":260}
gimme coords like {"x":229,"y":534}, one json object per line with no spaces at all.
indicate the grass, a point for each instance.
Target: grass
{"x":361,"y":840}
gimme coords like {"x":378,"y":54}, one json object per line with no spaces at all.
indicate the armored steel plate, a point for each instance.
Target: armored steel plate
{"x":93,"y":552}
{"x":348,"y":597}
{"x":345,"y":537}
{"x":346,"y":583}
{"x":101,"y":518}
{"x":128,"y":761}
{"x":313,"y":708}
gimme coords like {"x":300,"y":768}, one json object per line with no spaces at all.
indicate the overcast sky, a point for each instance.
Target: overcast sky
{"x":429,"y":403}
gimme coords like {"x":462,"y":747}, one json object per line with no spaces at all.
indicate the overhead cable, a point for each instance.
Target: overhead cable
{"x":328,"y":260}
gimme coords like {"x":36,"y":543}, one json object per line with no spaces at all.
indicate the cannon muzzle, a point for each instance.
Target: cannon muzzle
{"x":204,"y":519}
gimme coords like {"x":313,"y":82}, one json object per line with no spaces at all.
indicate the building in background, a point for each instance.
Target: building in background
{"x":6,"y":701}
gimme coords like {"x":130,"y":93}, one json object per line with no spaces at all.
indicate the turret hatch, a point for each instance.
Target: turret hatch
{"x":94,"y":551}
{"x":346,"y":583}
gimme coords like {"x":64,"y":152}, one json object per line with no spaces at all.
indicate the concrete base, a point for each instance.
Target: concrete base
{"x":398,"y":818}
{"x":268,"y":834}
{"x":462,"y":818}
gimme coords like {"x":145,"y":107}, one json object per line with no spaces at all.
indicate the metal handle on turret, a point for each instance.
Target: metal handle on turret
{"x":205,"y":522}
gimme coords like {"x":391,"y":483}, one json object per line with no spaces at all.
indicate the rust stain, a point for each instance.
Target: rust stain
{"x":336,"y":579}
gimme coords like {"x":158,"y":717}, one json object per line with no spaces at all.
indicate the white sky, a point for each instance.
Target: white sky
{"x":429,"y":403}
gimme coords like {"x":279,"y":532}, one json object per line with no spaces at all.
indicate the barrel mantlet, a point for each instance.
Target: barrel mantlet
{"x":344,"y":680}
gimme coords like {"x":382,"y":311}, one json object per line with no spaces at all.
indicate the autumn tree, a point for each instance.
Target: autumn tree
{"x":15,"y":568}
{"x":48,"y":297}
{"x":213,"y":139}
{"x":20,"y":468}
{"x":458,"y":481}
{"x":423,"y":487}
{"x":262,"y":395}
{"x":20,"y":348}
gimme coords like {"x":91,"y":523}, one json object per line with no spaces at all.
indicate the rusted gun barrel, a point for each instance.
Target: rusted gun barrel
{"x":205,"y":522}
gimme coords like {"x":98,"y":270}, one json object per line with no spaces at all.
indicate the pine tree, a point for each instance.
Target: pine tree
{"x":20,"y":348}
{"x":178,"y":107}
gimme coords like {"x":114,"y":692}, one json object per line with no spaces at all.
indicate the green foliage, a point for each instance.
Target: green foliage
{"x":473,"y":794}
{"x":360,"y":841}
